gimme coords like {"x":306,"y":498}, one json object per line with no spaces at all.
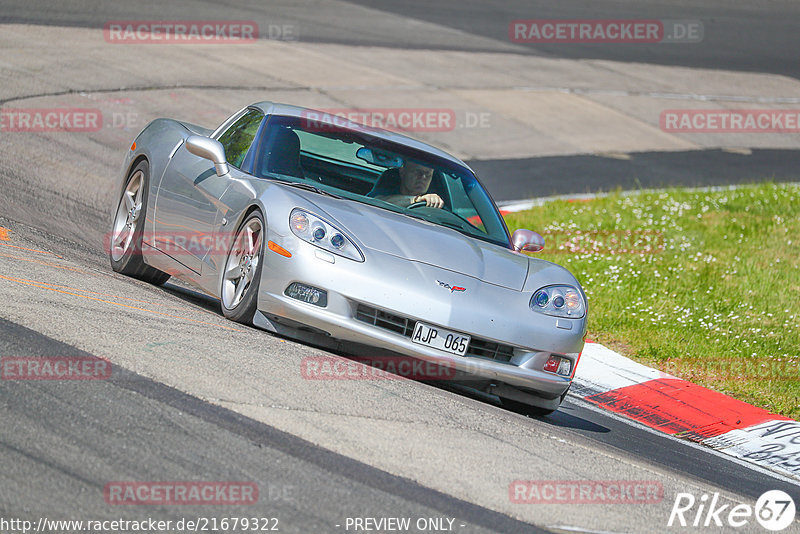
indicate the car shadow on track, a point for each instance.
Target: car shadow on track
{"x":563,"y":417}
{"x":192,"y":296}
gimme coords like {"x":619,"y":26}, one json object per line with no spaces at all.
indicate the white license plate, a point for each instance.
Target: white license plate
{"x":439,"y":338}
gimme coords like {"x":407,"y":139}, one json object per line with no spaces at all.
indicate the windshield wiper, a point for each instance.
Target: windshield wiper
{"x":457,"y":227}
{"x":418,"y":217}
{"x":310,"y":187}
{"x":461,"y":228}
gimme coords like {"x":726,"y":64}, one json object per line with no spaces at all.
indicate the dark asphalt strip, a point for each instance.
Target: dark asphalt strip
{"x":519,"y":179}
{"x":620,"y":437}
{"x":346,"y":487}
{"x":746,"y":36}
{"x":691,"y":461}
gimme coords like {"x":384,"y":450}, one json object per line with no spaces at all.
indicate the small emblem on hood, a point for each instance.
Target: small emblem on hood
{"x":451,"y":288}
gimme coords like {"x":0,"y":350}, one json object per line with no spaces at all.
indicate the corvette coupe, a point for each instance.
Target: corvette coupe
{"x":342,"y":235}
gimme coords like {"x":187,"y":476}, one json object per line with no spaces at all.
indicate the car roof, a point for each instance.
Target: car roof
{"x":287,"y":110}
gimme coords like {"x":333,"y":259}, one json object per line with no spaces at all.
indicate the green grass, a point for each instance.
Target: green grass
{"x":715,"y":299}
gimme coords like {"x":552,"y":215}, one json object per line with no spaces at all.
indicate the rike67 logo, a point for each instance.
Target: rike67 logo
{"x":774,"y":510}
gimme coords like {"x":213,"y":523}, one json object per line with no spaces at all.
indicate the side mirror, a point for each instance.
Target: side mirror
{"x":527,"y":241}
{"x":208,"y":148}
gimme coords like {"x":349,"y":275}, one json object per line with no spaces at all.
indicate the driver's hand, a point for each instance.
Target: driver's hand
{"x":432,"y":200}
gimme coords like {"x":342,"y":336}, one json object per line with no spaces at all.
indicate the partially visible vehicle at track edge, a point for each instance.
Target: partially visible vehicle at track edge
{"x":287,"y":216}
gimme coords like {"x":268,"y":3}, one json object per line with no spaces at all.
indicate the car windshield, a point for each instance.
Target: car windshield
{"x":352,"y":163}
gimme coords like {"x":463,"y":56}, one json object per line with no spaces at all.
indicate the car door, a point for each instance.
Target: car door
{"x":188,"y":205}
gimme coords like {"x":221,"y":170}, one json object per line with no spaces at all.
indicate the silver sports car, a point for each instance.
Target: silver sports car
{"x":342,"y":235}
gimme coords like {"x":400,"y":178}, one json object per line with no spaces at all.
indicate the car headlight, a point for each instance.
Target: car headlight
{"x":314,"y":230}
{"x":559,"y":301}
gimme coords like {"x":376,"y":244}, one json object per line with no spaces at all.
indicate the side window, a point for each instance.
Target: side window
{"x":462,"y":201}
{"x":237,"y":139}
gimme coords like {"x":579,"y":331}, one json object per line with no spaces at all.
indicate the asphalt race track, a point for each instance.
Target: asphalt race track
{"x":193,"y":397}
{"x":189,"y":398}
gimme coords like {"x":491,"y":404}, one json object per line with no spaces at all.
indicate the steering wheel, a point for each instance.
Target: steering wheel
{"x":417,"y":204}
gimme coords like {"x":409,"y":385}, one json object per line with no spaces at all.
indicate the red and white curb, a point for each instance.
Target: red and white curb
{"x":687,"y":411}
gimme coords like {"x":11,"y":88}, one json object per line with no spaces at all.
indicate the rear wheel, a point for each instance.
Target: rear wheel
{"x":125,"y":246}
{"x":240,"y":281}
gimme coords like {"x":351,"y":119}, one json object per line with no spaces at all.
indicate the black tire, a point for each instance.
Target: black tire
{"x":243,"y":310}
{"x":127,"y":259}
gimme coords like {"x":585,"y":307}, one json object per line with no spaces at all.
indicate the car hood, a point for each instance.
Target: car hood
{"x":416,"y":240}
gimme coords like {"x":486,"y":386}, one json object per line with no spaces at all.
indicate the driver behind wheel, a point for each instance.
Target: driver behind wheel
{"x":407,"y":185}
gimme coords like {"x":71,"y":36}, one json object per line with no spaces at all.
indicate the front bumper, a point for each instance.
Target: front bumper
{"x":351,"y":287}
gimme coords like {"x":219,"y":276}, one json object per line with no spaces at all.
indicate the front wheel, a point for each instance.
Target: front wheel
{"x":125,"y":240}
{"x":240,"y":280}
